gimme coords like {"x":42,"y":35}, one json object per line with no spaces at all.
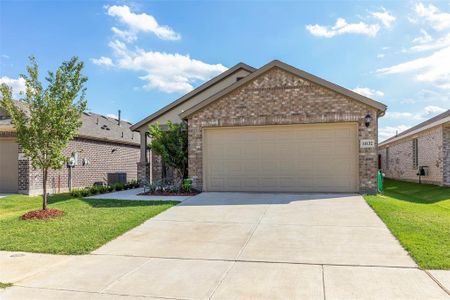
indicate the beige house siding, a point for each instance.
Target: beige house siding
{"x":278,"y":97}
{"x":430,"y":153}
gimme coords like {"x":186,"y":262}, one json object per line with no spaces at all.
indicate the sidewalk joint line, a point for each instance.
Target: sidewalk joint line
{"x":437,"y":282}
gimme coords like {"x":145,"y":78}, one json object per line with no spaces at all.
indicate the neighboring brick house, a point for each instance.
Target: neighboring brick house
{"x":105,"y":148}
{"x":424,"y":145}
{"x":276,"y":128}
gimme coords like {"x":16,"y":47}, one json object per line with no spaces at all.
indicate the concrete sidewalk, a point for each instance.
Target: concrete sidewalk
{"x":242,"y":246}
{"x":133,"y":194}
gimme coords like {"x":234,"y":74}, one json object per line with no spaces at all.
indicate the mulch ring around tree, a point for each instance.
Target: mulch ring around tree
{"x":42,"y":214}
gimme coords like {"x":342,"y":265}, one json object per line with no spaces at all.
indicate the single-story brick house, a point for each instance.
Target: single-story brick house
{"x":424,"y":145}
{"x":273,"y":129}
{"x":105,"y":149}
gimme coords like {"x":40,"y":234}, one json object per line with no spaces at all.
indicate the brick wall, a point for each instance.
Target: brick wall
{"x":430,"y":153}
{"x":446,"y":154}
{"x":102,"y":160}
{"x":278,"y":97}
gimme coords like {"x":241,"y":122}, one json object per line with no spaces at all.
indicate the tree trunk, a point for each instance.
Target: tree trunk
{"x":44,"y":188}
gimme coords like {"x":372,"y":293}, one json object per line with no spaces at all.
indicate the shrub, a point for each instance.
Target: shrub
{"x":119,"y":186}
{"x":85,"y":192}
{"x":103,"y":189}
{"x":186,"y":186}
{"x":94,"y":190}
{"x":132,"y":184}
{"x":76,"y":193}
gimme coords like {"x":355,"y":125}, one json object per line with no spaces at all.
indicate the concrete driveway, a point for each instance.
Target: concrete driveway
{"x":244,"y":246}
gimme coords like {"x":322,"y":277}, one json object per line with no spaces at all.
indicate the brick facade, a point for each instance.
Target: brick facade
{"x":432,"y":152}
{"x":278,"y":97}
{"x":446,"y":154}
{"x":101,"y":161}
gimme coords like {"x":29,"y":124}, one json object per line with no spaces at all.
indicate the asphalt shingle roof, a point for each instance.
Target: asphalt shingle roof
{"x":420,"y":125}
{"x":94,"y":126}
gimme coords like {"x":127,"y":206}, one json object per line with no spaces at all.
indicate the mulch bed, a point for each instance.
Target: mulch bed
{"x":167,"y":194}
{"x":42,"y":214}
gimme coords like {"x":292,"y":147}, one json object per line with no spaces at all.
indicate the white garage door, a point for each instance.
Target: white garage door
{"x":293,"y":158}
{"x":8,"y":166}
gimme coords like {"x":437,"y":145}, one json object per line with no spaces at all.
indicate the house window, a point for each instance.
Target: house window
{"x":387,"y":158}
{"x":415,"y":153}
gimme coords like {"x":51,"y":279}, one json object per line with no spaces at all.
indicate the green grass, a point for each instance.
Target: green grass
{"x":419,"y":217}
{"x":5,"y":285}
{"x":85,"y":226}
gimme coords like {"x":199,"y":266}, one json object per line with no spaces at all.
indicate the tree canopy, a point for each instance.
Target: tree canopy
{"x":50,"y":116}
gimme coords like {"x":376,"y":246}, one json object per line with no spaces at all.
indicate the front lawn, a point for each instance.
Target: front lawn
{"x":419,"y":216}
{"x":85,"y":226}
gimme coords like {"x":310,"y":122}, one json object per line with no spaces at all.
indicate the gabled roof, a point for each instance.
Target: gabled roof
{"x":276,"y":63}
{"x":193,"y":93}
{"x":435,"y":121}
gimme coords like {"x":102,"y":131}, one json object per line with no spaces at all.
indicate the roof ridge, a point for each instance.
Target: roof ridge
{"x":291,"y":69}
{"x":194,"y":92}
{"x":420,"y":125}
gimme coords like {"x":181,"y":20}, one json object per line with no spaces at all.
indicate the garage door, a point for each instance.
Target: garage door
{"x":294,"y":158}
{"x":8,"y":166}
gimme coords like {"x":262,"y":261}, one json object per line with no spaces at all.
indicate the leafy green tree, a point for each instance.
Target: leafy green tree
{"x":171,"y":145}
{"x":51,"y":115}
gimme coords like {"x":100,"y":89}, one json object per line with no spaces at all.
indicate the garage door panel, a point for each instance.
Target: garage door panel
{"x":8,"y":166}
{"x":298,"y":158}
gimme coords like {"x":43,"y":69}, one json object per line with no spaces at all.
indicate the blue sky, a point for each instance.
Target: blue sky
{"x":140,"y":56}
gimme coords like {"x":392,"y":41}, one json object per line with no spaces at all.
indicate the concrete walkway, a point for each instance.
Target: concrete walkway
{"x":241,"y":246}
{"x":133,"y":194}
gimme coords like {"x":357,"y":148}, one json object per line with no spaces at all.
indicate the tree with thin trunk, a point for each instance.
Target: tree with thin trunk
{"x":172,"y":145}
{"x":47,"y":117}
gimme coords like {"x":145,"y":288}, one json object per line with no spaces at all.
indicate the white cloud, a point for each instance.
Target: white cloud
{"x":342,"y":27}
{"x":390,"y":131}
{"x":368,"y":92}
{"x":137,"y":23}
{"x":428,"y":112}
{"x":434,"y":68}
{"x":435,"y":96}
{"x":427,"y":43}
{"x":437,"y":19}
{"x":18,"y":85}
{"x":423,"y":38}
{"x":385,"y":17}
{"x":381,"y":55}
{"x":433,"y":110}
{"x":115,"y":116}
{"x":164,"y":71}
{"x":103,"y":61}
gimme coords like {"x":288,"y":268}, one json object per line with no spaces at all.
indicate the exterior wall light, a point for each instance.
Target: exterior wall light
{"x":367,"y":120}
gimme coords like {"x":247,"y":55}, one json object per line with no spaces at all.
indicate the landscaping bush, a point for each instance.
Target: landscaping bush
{"x":75,"y":193}
{"x":118,"y":186}
{"x":186,"y":186}
{"x":101,"y":189}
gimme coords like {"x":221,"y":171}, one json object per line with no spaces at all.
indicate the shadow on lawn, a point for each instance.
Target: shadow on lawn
{"x":416,"y":193}
{"x":108,"y":203}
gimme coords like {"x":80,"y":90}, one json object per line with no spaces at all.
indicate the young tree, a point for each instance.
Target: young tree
{"x":51,"y":114}
{"x":171,"y":145}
